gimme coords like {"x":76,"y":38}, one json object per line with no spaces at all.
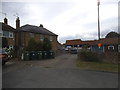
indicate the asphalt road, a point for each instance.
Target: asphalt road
{"x":60,"y":72}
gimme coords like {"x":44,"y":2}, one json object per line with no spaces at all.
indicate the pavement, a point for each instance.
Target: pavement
{"x":60,"y":72}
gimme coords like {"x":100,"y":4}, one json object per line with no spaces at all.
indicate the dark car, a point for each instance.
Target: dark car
{"x":4,"y":56}
{"x":73,"y":51}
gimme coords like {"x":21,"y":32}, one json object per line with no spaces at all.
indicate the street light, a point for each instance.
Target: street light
{"x":99,"y":44}
{"x":98,"y":4}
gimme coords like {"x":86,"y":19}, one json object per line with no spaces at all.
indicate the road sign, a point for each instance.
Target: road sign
{"x":99,"y":45}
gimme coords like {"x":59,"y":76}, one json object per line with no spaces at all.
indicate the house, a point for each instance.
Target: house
{"x":107,"y":44}
{"x":26,"y":32}
{"x":8,"y":33}
{"x":77,"y":43}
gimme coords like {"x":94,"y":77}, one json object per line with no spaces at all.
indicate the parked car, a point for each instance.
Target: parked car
{"x":4,"y":56}
{"x":73,"y":51}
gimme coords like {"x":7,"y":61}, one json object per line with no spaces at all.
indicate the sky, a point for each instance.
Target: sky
{"x":69,"y":19}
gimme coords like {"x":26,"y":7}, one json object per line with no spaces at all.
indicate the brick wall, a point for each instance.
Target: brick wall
{"x":112,"y":57}
{"x":25,"y":37}
{"x":11,"y":41}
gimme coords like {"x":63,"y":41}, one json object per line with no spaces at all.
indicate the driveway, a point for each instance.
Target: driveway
{"x":60,"y":72}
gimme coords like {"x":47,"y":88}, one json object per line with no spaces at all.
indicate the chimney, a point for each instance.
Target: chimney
{"x":5,"y":20}
{"x":41,"y":25}
{"x":17,"y":23}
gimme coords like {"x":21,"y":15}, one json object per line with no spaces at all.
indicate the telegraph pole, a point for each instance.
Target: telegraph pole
{"x":98,"y":4}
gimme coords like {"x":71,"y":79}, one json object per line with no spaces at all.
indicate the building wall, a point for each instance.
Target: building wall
{"x":25,"y":37}
{"x":11,"y":40}
{"x":95,"y":48}
{"x":111,"y":50}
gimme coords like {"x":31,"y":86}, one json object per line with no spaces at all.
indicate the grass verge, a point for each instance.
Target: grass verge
{"x":99,"y":66}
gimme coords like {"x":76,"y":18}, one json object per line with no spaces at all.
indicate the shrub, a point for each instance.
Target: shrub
{"x":31,"y":45}
{"x":47,"y":45}
{"x":39,"y":46}
{"x":89,"y":56}
{"x":34,"y":45}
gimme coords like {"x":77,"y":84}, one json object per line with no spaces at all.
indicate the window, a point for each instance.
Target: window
{"x":10,"y":47}
{"x":111,"y":47}
{"x":11,"y":34}
{"x":5,"y":34}
{"x":51,"y":38}
{"x":31,"y":35}
{"x":41,"y":37}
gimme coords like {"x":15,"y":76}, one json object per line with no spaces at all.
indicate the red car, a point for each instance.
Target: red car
{"x":4,"y":56}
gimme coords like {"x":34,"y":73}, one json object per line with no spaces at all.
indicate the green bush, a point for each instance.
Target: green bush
{"x":47,"y":45}
{"x":34,"y":45}
{"x":89,"y":56}
{"x":31,"y":45}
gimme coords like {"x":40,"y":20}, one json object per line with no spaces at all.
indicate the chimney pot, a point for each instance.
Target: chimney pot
{"x":17,"y":23}
{"x":5,"y":20}
{"x":41,"y":25}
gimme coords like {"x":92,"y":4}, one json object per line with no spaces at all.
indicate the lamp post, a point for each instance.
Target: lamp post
{"x":99,"y":44}
{"x":98,"y":3}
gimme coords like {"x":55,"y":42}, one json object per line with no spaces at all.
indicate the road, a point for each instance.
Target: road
{"x":60,"y":72}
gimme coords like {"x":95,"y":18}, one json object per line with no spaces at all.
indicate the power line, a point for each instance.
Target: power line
{"x":4,"y":14}
{"x":16,"y":15}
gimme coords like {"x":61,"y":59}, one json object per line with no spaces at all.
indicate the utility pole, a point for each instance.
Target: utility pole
{"x":98,"y":3}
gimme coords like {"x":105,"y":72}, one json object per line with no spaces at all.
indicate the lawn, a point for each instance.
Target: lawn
{"x":99,"y":66}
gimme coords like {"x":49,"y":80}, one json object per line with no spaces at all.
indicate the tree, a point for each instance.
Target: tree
{"x":47,"y":45}
{"x":39,"y":46}
{"x":31,"y":45}
{"x":112,"y":34}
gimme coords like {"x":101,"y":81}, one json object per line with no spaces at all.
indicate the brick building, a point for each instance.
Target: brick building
{"x":26,"y":32}
{"x":9,"y":33}
{"x":107,"y":44}
{"x":20,"y":36}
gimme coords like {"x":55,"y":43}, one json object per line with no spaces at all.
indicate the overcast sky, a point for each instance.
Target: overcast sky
{"x":69,"y":19}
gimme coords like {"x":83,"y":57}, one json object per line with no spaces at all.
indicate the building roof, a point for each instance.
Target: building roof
{"x":73,"y":42}
{"x":103,"y":41}
{"x":77,"y":42}
{"x":36,"y":29}
{"x":107,"y":41}
{"x":7,"y":27}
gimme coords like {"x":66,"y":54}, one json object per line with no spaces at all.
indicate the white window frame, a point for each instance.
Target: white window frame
{"x":11,"y":47}
{"x":41,"y":37}
{"x":110,"y":47}
{"x":4,"y":35}
{"x":51,"y":38}
{"x":11,"y":33}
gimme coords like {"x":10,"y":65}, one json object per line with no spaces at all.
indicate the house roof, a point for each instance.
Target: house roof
{"x":73,"y":42}
{"x":107,"y":41}
{"x":36,"y":29}
{"x":103,"y":41}
{"x":7,"y":27}
{"x":78,"y":42}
